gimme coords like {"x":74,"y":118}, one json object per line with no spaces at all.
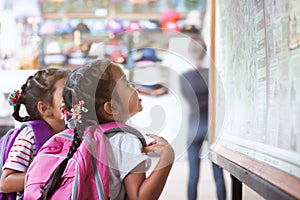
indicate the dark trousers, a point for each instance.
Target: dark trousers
{"x":194,"y":167}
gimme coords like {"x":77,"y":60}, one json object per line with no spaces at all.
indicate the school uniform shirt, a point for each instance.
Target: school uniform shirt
{"x":124,"y":154}
{"x":22,"y":152}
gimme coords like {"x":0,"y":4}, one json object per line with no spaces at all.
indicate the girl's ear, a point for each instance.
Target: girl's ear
{"x":44,"y":109}
{"x":110,"y":109}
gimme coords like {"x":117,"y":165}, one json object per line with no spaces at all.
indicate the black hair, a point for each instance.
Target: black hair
{"x":38,"y":87}
{"x":94,"y":84}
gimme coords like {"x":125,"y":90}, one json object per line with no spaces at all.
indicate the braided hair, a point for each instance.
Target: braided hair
{"x":94,"y":84}
{"x":38,"y":87}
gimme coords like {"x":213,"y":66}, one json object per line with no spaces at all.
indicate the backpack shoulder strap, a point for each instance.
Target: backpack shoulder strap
{"x":41,"y":130}
{"x":112,"y":128}
{"x":6,"y":144}
{"x":4,"y":141}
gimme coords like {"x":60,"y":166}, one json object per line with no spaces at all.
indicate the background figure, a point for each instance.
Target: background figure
{"x":194,"y":86}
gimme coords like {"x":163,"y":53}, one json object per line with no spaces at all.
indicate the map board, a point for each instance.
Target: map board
{"x":257,"y":94}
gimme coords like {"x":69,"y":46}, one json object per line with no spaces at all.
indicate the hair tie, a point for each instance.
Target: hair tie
{"x":65,"y":114}
{"x":75,"y":115}
{"x":14,"y":97}
{"x":77,"y":110}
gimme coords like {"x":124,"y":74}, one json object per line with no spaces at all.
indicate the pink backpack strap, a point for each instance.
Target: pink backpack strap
{"x":93,"y":176}
{"x":94,"y":142}
{"x":112,"y":128}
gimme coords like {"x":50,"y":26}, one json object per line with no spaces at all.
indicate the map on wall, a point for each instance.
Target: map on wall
{"x":258,"y":63}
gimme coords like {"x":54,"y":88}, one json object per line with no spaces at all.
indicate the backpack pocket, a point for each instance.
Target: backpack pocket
{"x":42,"y":172}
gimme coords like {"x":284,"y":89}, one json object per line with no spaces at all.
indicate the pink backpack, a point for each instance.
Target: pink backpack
{"x":86,"y":175}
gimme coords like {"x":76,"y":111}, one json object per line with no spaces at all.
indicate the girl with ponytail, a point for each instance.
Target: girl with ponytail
{"x":41,"y":96}
{"x":97,"y":94}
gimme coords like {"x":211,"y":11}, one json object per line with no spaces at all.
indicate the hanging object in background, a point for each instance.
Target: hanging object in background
{"x":148,"y":56}
{"x":134,"y":26}
{"x":149,"y":64}
{"x":64,"y":27}
{"x":115,"y":26}
{"x":170,"y":27}
{"x":169,"y":16}
{"x":48,"y":27}
{"x":118,"y":57}
{"x":150,"y":24}
{"x":168,"y":21}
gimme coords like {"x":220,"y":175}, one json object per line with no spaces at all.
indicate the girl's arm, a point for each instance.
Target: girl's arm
{"x":19,"y":158}
{"x":12,"y":181}
{"x":138,"y":186}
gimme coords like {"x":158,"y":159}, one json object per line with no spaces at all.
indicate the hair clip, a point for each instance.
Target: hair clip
{"x":77,"y":110}
{"x":73,"y":116}
{"x":65,"y":114}
{"x":14,"y":97}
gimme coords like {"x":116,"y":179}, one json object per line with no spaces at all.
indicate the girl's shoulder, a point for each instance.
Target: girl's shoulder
{"x":121,"y":136}
{"x":125,"y":142}
{"x":26,"y":132}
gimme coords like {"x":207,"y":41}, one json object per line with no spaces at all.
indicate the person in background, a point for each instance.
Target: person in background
{"x":109,"y":97}
{"x":194,"y":87}
{"x":42,"y":96}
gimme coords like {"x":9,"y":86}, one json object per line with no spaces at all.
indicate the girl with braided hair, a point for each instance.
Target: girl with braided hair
{"x":42,"y":96}
{"x":106,"y":96}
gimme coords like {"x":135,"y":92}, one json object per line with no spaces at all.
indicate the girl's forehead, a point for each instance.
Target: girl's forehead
{"x":121,"y":78}
{"x":118,"y":73}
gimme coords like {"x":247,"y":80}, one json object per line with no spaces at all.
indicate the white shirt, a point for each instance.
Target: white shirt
{"x":124,"y":154}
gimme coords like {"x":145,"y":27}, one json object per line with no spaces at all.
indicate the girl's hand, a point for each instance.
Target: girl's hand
{"x":158,"y":145}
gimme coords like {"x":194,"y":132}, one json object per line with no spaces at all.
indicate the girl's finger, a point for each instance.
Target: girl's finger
{"x":152,"y":143}
{"x":156,"y":137}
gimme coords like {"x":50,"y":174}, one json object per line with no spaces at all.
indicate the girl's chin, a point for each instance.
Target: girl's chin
{"x":140,"y":107}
